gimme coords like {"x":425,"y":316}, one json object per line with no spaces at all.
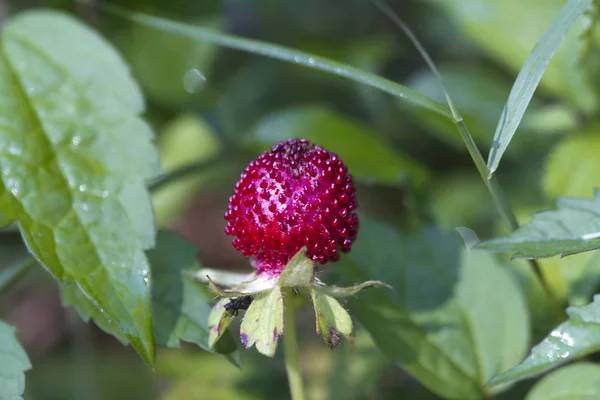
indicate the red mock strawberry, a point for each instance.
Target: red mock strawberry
{"x":296,"y":195}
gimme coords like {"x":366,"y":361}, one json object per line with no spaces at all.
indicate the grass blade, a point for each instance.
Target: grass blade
{"x":489,"y":180}
{"x":284,"y":54}
{"x":529,"y":77}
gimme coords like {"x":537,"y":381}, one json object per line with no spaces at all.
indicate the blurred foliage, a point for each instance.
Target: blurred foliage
{"x":450,"y":339}
{"x":455,"y":318}
{"x":162,"y":63}
{"x":583,"y":383}
{"x":15,"y":363}
{"x":507,"y":31}
{"x":184,"y":141}
{"x":573,"y":167}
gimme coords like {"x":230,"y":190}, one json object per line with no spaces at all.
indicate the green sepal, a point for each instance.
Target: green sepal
{"x":222,"y":277}
{"x":341,"y":292}
{"x":218,"y":321}
{"x":263,"y":323}
{"x":299,"y":271}
{"x":257,"y":285}
{"x":333,"y":321}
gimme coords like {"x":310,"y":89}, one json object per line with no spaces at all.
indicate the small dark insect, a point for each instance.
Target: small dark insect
{"x":238,"y":303}
{"x":335,"y":338}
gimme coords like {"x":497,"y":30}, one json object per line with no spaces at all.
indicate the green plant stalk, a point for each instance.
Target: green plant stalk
{"x":183,"y":172}
{"x":499,"y":200}
{"x":491,"y":183}
{"x":489,"y":179}
{"x":280,"y":53}
{"x":290,"y":347}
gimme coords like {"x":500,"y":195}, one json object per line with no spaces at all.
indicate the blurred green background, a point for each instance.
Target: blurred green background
{"x":215,"y":109}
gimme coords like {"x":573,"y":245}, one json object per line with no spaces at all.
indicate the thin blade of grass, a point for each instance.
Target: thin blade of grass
{"x":284,"y":54}
{"x":456,"y":118}
{"x":468,"y":140}
{"x":490,"y":181}
{"x":387,"y":10}
{"x":529,"y":77}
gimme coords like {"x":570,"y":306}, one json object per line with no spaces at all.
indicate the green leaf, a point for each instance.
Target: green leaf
{"x":366,"y":155}
{"x":263,"y":322}
{"x":5,"y":218}
{"x":573,"y":167}
{"x":572,"y":229}
{"x":6,"y":211}
{"x":13,"y":364}
{"x":486,"y":23}
{"x":573,"y":339}
{"x":298,"y":272}
{"x":529,"y":77}
{"x":455,"y":319}
{"x":333,"y":321}
{"x":73,"y":296}
{"x":180,"y":304}
{"x":575,"y":382}
{"x":74,"y":155}
{"x":284,"y":54}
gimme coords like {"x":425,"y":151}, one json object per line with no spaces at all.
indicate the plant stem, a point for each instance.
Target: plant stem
{"x":489,"y":179}
{"x":290,"y":346}
{"x":183,"y":172}
{"x":493,"y":187}
{"x":491,"y":183}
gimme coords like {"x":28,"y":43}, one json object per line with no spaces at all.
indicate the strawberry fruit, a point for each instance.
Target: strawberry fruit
{"x":296,"y":195}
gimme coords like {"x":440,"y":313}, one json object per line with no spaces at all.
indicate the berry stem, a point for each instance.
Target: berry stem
{"x":290,"y":345}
